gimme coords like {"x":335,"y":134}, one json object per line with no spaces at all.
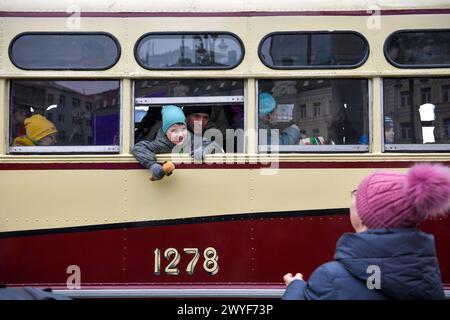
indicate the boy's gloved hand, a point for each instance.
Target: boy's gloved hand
{"x":157,"y":172}
{"x":168,"y":167}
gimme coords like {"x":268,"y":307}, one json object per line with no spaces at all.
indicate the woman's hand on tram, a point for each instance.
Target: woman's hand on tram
{"x":288,"y":278}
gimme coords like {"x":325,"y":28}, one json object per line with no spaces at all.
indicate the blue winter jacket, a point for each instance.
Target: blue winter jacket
{"x":406,"y":259}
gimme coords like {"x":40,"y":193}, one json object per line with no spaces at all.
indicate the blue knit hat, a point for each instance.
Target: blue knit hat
{"x":172,"y":115}
{"x":266,"y":103}
{"x":388,"y":122}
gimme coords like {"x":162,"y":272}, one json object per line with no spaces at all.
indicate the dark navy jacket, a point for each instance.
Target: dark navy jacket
{"x":406,"y":259}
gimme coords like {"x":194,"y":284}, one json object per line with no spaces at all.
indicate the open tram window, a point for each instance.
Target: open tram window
{"x":418,"y":48}
{"x":314,"y":50}
{"x":221,"y":99}
{"x":313,"y":115}
{"x":64,"y":51}
{"x":416,"y":114}
{"x":64,"y":116}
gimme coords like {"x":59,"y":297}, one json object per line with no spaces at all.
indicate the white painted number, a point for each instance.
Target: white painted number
{"x":172,"y":266}
{"x":210,"y":265}
{"x":191,"y":266}
{"x":157,"y":268}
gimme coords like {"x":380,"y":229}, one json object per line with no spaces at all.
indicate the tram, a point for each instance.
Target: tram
{"x":81,"y":215}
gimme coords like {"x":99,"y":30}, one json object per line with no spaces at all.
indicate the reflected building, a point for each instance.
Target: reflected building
{"x":402,"y":99}
{"x":75,"y":114}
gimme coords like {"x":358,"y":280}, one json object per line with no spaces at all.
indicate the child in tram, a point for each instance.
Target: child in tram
{"x":389,"y":133}
{"x":267,"y":119}
{"x":172,"y":133}
{"x":387,"y":257}
{"x":38,"y":132}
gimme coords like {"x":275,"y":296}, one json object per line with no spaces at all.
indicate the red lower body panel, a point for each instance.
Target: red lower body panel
{"x":248,"y":251}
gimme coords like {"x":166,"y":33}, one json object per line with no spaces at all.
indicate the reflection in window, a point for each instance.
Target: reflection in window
{"x":427,"y":48}
{"x":189,"y":51}
{"x":338,"y":111}
{"x":446,"y":93}
{"x":60,"y":51}
{"x":422,"y":120}
{"x":188,"y":88}
{"x":314,"y":50}
{"x":76,"y":126}
{"x":405,"y":99}
{"x":221,"y":100}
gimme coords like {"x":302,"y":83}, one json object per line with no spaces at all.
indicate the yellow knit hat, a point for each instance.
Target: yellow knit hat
{"x":38,"y":127}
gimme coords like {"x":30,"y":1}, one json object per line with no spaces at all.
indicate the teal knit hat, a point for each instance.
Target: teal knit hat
{"x":171,"y":115}
{"x":266,"y":103}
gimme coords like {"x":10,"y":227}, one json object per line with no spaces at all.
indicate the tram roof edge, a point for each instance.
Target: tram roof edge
{"x":206,"y":6}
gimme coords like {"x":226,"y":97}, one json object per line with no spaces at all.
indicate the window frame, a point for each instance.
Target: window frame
{"x":206,"y":100}
{"x":241,"y":43}
{"x":413,"y":66}
{"x":100,"y":33}
{"x":387,"y":148}
{"x":42,"y":150}
{"x":334,"y":67}
{"x":293,"y":149}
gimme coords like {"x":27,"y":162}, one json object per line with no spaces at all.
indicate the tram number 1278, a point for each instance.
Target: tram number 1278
{"x":210,"y":263}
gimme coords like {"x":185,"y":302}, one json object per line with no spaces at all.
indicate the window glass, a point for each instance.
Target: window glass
{"x":86,"y":113}
{"x":417,"y":113}
{"x":313,"y":50}
{"x":406,"y":49}
{"x":189,"y":51}
{"x":221,"y":100}
{"x":64,"y":51}
{"x":330,"y":114}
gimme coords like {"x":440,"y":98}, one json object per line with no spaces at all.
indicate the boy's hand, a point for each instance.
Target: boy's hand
{"x":157,"y":172}
{"x":288,"y":278}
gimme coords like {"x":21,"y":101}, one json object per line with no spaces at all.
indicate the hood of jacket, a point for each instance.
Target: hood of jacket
{"x":23,"y":141}
{"x":406,"y":259}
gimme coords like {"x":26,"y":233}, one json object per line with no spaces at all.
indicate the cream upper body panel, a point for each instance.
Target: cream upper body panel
{"x":225,"y":6}
{"x":251,"y":30}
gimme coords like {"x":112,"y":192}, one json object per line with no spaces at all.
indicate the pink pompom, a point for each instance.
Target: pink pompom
{"x":428,"y":188}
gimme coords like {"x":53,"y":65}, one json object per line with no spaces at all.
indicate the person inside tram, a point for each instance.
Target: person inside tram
{"x":19,"y":114}
{"x":38,"y":132}
{"x":197,"y":118}
{"x":389,"y":133}
{"x":387,"y":257}
{"x":267,"y":121}
{"x":173,"y":133}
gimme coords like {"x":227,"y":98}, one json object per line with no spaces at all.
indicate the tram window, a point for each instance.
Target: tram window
{"x":313,"y":115}
{"x":221,"y":99}
{"x":313,"y":50}
{"x":416,"y":114}
{"x":64,"y":51}
{"x":189,"y":51}
{"x":88,"y":122}
{"x":418,"y":49}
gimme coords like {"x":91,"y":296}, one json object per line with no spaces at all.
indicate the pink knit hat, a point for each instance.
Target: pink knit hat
{"x":395,"y":200}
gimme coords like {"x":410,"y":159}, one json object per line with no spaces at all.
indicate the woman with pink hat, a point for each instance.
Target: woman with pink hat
{"x":387,"y":257}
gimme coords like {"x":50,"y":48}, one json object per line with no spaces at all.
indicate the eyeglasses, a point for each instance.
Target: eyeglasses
{"x":353,"y":193}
